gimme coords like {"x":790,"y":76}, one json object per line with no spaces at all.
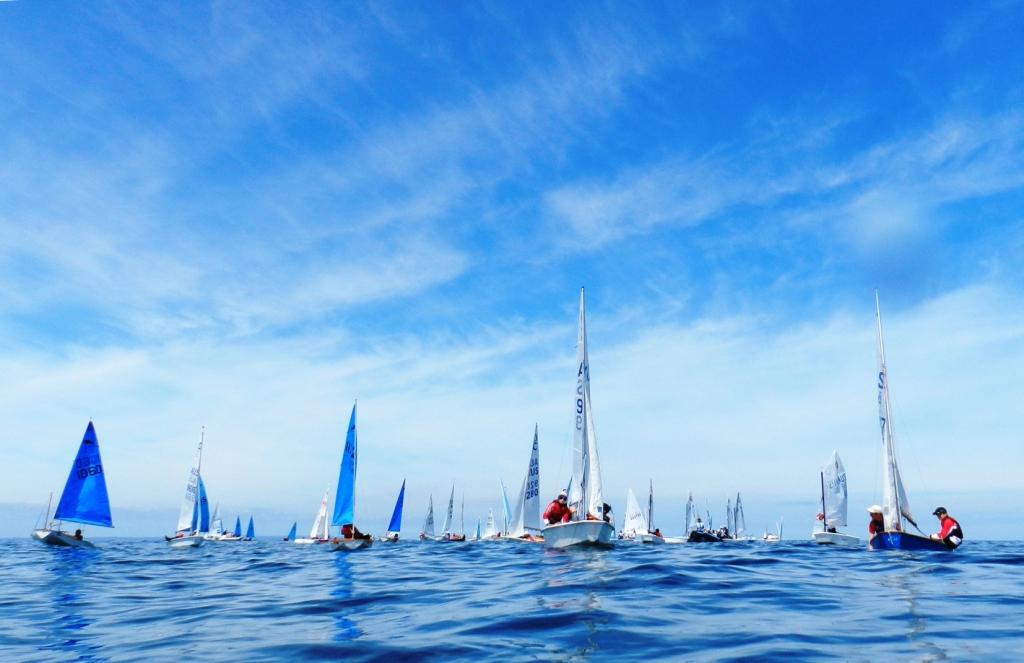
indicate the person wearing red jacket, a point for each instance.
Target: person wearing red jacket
{"x":558,"y":510}
{"x":877,"y":522}
{"x":949,"y":529}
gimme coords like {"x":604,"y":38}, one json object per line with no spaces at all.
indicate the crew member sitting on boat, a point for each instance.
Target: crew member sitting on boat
{"x":949,"y":529}
{"x":350,"y":531}
{"x":657,"y":532}
{"x":558,"y":511}
{"x":877,"y":523}
{"x":699,"y":527}
{"x":828,"y":528}
{"x":79,"y":537}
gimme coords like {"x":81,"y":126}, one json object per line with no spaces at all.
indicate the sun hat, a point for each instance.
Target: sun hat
{"x":874,"y":508}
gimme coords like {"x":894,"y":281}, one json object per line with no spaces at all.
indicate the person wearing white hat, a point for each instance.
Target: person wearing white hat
{"x":877,"y":523}
{"x":558,"y":510}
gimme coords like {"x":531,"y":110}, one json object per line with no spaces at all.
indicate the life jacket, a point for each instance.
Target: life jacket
{"x":955,"y":536}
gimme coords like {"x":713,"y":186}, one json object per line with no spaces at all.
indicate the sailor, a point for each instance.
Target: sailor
{"x":877,"y":523}
{"x":949,"y":529}
{"x":700,"y":525}
{"x":79,"y":537}
{"x":350,"y":531}
{"x":558,"y":510}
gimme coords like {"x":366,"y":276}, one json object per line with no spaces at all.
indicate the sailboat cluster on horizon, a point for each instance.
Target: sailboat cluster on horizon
{"x":583,"y":520}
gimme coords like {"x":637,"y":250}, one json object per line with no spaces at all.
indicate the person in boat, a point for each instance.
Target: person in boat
{"x":949,"y":529}
{"x":558,"y":511}
{"x":831,"y":530}
{"x":700,"y":526}
{"x":657,"y":532}
{"x":78,"y":535}
{"x":877,"y":523}
{"x":606,"y":510}
{"x":350,"y":531}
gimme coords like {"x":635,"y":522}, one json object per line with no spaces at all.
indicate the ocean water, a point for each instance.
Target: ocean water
{"x":133,"y":599}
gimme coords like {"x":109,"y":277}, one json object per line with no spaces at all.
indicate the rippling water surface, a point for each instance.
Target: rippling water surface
{"x":137,"y":599}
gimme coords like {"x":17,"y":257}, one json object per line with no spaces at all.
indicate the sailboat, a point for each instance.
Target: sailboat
{"x":478,"y":537}
{"x":395,"y":526}
{"x":345,"y":496}
{"x":489,"y":531}
{"x":191,"y":517}
{"x":446,"y":531}
{"x":634,"y":522}
{"x":291,"y":532}
{"x":697,"y":531}
{"x":216,"y":525}
{"x":319,"y":533}
{"x":250,"y":531}
{"x":833,"y":505}
{"x":427,"y":532}
{"x":652,"y":535}
{"x":84,"y":499}
{"x":526,"y":519}
{"x":777,"y":536}
{"x":506,"y":511}
{"x":590,"y":522}
{"x":895,"y":506}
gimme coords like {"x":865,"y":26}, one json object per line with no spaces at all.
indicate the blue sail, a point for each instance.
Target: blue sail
{"x":291,"y":532}
{"x":84,"y":499}
{"x":345,"y":497}
{"x":238,"y":527}
{"x":396,"y":517}
{"x":194,"y":525}
{"x":204,"y":509}
{"x":250,"y":532}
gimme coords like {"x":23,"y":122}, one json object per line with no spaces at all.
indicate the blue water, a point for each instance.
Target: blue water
{"x":137,"y":599}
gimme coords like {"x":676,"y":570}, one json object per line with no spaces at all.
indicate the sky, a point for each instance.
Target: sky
{"x":247,"y":216}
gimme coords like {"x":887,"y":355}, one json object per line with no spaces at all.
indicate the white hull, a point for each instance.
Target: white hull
{"x":52,"y":537}
{"x":579,"y":533}
{"x":305,"y":541}
{"x":650,"y":538}
{"x":835,"y":539}
{"x":388,"y":538}
{"x":222,"y":537}
{"x":674,"y":539}
{"x":193,"y":541}
{"x":350,"y":544}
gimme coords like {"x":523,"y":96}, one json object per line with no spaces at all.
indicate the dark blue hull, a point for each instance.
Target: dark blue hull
{"x":703,"y":537}
{"x":904,"y":541}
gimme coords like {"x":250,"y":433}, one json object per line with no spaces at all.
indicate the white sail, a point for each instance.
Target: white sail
{"x":650,"y":506}
{"x":517,"y":527}
{"x":895,"y":505}
{"x":428,"y":524}
{"x":691,"y":515}
{"x":729,"y":516}
{"x":531,"y":500}
{"x":489,"y":530}
{"x":635,"y":522}
{"x":586,"y":498}
{"x":191,"y":490}
{"x":320,"y":527}
{"x":833,"y":481}
{"x":216,"y":525}
{"x":447,"y":529}
{"x":739,"y":521}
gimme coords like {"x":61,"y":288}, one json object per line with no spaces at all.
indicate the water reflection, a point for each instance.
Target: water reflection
{"x":67,"y":586}
{"x":345,"y":629}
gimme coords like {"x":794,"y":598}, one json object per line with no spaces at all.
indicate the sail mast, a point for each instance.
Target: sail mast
{"x":824,"y":511}
{"x":650,"y":507}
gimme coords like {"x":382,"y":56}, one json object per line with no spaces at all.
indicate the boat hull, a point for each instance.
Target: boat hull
{"x":348,"y":545}
{"x":904,"y":541}
{"x":308,"y":542}
{"x":835,"y":539}
{"x":193,"y":541}
{"x":579,"y":533}
{"x":702,"y":537}
{"x":52,"y":537}
{"x":650,"y":538}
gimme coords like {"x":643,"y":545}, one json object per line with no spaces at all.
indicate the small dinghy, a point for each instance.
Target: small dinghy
{"x":833,"y":505}
{"x":319,"y":533}
{"x":395,"y":526}
{"x":292,"y":532}
{"x":652,"y":535}
{"x":345,"y":497}
{"x":446,"y":530}
{"x":525,"y":526}
{"x":590,"y":522}
{"x":84,"y":499}
{"x":777,"y":536}
{"x":895,"y":506}
{"x":427,"y":531}
{"x":194,"y":518}
{"x":696,"y":530}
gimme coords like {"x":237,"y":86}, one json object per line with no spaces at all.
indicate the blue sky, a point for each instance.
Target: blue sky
{"x":246,"y":216}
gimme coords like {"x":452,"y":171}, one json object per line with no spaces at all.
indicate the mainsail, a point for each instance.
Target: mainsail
{"x":447,"y":528}
{"x":345,"y":497}
{"x":526,"y":517}
{"x":320,"y":529}
{"x":585,"y":499}
{"x":250,"y":531}
{"x":635,"y":522}
{"x":395,"y":525}
{"x":833,"y":487}
{"x":730,"y":516}
{"x":428,"y":523}
{"x":691,"y":515}
{"x":202,"y":522}
{"x":739,"y":522}
{"x":894,"y":497}
{"x":238,"y":528}
{"x":292,"y":532}
{"x":188,"y":507}
{"x":489,"y":530}
{"x":84,"y":499}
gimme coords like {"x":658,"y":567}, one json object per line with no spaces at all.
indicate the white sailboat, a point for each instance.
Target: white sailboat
{"x":526,"y":519}
{"x":769,"y":537}
{"x":634,"y":522}
{"x":833,"y":505}
{"x":84,"y":499}
{"x":447,"y":533}
{"x":427,"y":532}
{"x":320,"y":532}
{"x":590,"y":523}
{"x":653,"y":534}
{"x":189,"y":533}
{"x":489,"y":532}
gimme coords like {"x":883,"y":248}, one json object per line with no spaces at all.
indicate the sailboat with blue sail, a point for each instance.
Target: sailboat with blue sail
{"x":895,"y":506}
{"x":84,"y":499}
{"x":191,"y":516}
{"x":250,"y":531}
{"x":395,"y":526}
{"x":292,"y":531}
{"x":345,"y":497}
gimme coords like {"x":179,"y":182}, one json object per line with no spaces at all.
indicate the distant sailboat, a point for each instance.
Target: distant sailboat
{"x":833,"y":505}
{"x":590,"y":523}
{"x":526,"y":518}
{"x":250,"y":531}
{"x":446,"y":531}
{"x":506,"y":511}
{"x":188,"y":533}
{"x":319,"y":533}
{"x":237,"y":532}
{"x":653,"y":534}
{"x":395,"y":526}
{"x":777,"y":536}
{"x":84,"y":499}
{"x":345,"y":496}
{"x":895,"y":505}
{"x":292,"y":532}
{"x":698,"y":531}
{"x":427,"y":532}
{"x":634,"y":522}
{"x":489,"y":531}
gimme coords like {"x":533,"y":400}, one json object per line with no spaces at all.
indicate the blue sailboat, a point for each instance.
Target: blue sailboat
{"x":895,"y":506}
{"x":191,"y":519}
{"x":345,"y":497}
{"x":395,"y":526}
{"x":291,"y":532}
{"x":84,"y":499}
{"x":250,"y":531}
